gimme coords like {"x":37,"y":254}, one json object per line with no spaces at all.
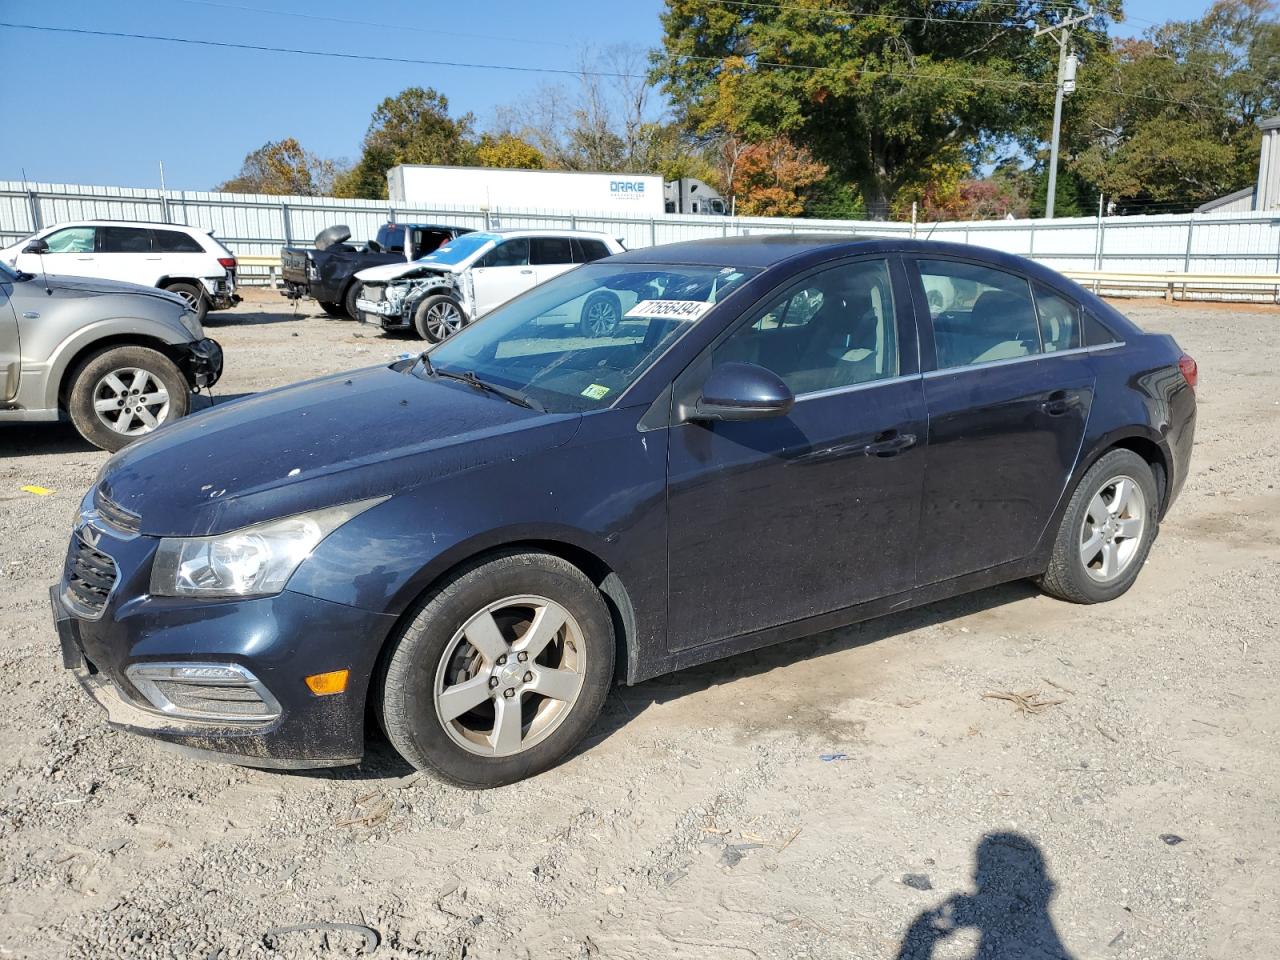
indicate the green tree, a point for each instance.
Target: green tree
{"x":1172,"y":120}
{"x":283,"y":168}
{"x":412,"y":127}
{"x":876,"y":95}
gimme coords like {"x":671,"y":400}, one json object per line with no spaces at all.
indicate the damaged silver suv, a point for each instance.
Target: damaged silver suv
{"x":116,"y":359}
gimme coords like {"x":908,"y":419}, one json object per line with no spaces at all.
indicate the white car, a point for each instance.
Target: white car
{"x":470,"y":275}
{"x":184,"y":260}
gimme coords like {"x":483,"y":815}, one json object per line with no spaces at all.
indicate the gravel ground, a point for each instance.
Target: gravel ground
{"x":852,"y":794}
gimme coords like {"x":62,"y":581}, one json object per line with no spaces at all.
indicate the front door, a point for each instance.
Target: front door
{"x":72,"y":253}
{"x":1007,"y":409}
{"x":771,"y":521}
{"x":502,"y":273}
{"x":10,"y":346}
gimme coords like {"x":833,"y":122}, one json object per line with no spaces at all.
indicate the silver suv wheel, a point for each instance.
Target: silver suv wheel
{"x":130,"y":401}
{"x":1111,"y":533}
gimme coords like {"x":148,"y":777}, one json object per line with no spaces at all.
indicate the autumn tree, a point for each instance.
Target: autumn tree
{"x":412,"y":127}
{"x":508,"y":150}
{"x":771,"y":178}
{"x":875,"y":94}
{"x":283,"y":168}
{"x":1170,"y":120}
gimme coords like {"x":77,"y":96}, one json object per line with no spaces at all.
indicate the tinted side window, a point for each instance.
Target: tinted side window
{"x":71,"y":240}
{"x":979,"y":314}
{"x":585,"y":251}
{"x":428,"y":241}
{"x":549,"y":250}
{"x":391,"y":238}
{"x":126,"y":240}
{"x":835,"y":329}
{"x":509,"y":253}
{"x":1095,"y":333}
{"x":171,"y":241}
{"x":1059,"y":320}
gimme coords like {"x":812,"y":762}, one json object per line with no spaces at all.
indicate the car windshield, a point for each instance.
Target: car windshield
{"x":578,"y":341}
{"x":6,"y":273}
{"x":459,"y":249}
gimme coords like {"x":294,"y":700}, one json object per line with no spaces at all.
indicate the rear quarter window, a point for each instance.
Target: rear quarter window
{"x":1097,"y":333}
{"x":174,"y":241}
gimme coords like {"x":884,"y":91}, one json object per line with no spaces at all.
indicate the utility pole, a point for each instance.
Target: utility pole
{"x":1066,"y":84}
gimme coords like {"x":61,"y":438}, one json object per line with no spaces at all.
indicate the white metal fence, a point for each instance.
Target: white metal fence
{"x":256,"y":224}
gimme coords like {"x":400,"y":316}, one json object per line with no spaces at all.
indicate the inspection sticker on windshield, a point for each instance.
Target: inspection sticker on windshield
{"x":595,"y":392}
{"x":675,"y":309}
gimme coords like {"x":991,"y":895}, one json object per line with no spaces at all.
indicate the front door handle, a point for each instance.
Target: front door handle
{"x":526,"y":271}
{"x":889,"y":444}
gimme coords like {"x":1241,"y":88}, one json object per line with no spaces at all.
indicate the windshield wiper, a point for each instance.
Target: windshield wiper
{"x":469,"y":377}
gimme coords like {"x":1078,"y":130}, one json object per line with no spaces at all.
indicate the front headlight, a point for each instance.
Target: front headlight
{"x":253,"y":562}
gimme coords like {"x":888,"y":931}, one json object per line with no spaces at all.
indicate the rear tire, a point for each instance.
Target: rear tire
{"x":333,"y":309}
{"x":462,"y":687}
{"x":124,"y":393}
{"x":1106,"y":532}
{"x":601,"y":314}
{"x":195,"y":297}
{"x":349,"y":301}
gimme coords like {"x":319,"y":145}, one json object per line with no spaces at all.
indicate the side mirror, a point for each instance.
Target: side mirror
{"x":36,"y":246}
{"x":743,"y":391}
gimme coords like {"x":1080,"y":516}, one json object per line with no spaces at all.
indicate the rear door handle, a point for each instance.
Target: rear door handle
{"x":890,"y":443}
{"x":1058,"y":404}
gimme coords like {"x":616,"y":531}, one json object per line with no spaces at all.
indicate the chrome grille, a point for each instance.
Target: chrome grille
{"x":214,"y":699}
{"x":124,"y":520}
{"x":91,"y":576}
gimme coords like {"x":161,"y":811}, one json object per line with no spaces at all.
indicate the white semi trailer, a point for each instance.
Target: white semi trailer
{"x":499,"y":190}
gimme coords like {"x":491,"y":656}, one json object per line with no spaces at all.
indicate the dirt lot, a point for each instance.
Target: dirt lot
{"x":850,"y":795}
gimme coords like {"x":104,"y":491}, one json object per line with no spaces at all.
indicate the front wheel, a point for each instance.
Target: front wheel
{"x":124,"y":393}
{"x":438,"y":317}
{"x":501,"y":672}
{"x":601,"y":314}
{"x":349,"y":301}
{"x":332,"y":309}
{"x":1106,"y":532}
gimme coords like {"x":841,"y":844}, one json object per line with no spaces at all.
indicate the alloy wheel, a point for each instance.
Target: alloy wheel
{"x":131,"y":401}
{"x":443,"y":320}
{"x":1113,"y":527}
{"x":602,"y":318}
{"x":510,"y":676}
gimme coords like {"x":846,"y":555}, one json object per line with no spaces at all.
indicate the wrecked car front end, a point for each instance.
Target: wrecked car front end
{"x":394,"y":303}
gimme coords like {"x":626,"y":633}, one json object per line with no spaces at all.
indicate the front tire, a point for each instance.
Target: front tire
{"x":349,"y":301}
{"x":124,"y":393}
{"x":333,"y":309}
{"x":601,"y":314}
{"x":1106,"y":532}
{"x":501,"y":671}
{"x":438,"y":317}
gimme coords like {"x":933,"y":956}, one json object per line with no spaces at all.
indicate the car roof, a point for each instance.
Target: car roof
{"x":524,"y":232}
{"x":183,"y":227}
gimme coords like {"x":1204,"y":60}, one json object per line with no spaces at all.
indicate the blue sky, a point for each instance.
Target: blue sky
{"x":106,"y":111}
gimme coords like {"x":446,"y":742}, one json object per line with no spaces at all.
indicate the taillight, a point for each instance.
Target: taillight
{"x":228,"y":262}
{"x":1190,"y":372}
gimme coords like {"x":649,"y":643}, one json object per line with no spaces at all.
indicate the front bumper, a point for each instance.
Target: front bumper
{"x":279,"y":640}
{"x":201,"y":362}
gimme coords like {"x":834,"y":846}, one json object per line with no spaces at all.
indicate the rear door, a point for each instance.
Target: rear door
{"x":502,"y":273}
{"x":72,"y":253}
{"x":125,"y":253}
{"x":550,"y":256}
{"x":1007,"y":407}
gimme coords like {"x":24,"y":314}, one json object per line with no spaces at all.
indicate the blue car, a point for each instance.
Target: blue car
{"x":781,"y":436}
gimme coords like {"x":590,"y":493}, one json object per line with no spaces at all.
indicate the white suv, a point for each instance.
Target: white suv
{"x":184,"y":260}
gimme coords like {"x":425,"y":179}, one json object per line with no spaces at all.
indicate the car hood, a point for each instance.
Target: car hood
{"x":92,"y":286}
{"x":333,"y":440}
{"x":394,"y":271}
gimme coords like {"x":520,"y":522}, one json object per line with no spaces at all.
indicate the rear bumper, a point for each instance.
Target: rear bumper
{"x":201,"y":362}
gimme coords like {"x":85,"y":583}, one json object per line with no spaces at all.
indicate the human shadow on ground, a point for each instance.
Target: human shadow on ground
{"x":1009,"y":909}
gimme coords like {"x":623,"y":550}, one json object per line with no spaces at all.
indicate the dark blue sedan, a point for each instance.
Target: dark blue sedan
{"x":775,"y":436}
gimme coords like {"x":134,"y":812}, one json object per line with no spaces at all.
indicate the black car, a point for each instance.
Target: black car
{"x":783,"y":435}
{"x":327,"y":271}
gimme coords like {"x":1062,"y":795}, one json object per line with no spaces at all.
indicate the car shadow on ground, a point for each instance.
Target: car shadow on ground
{"x":1008,"y":910}
{"x":41,"y":439}
{"x":250,"y":316}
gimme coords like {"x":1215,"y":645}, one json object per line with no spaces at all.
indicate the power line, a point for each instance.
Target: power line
{"x":317,"y":53}
{"x":376,"y":58}
{"x":368,"y":23}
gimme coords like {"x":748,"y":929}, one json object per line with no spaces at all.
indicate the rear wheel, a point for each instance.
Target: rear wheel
{"x":194,"y":295}
{"x":601,"y":314}
{"x":438,"y":317}
{"x":124,"y":393}
{"x":349,"y":301}
{"x":333,"y":309}
{"x":1106,"y":532}
{"x":501,"y":672}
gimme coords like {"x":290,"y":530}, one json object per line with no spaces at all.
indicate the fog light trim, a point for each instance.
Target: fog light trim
{"x":148,"y":677}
